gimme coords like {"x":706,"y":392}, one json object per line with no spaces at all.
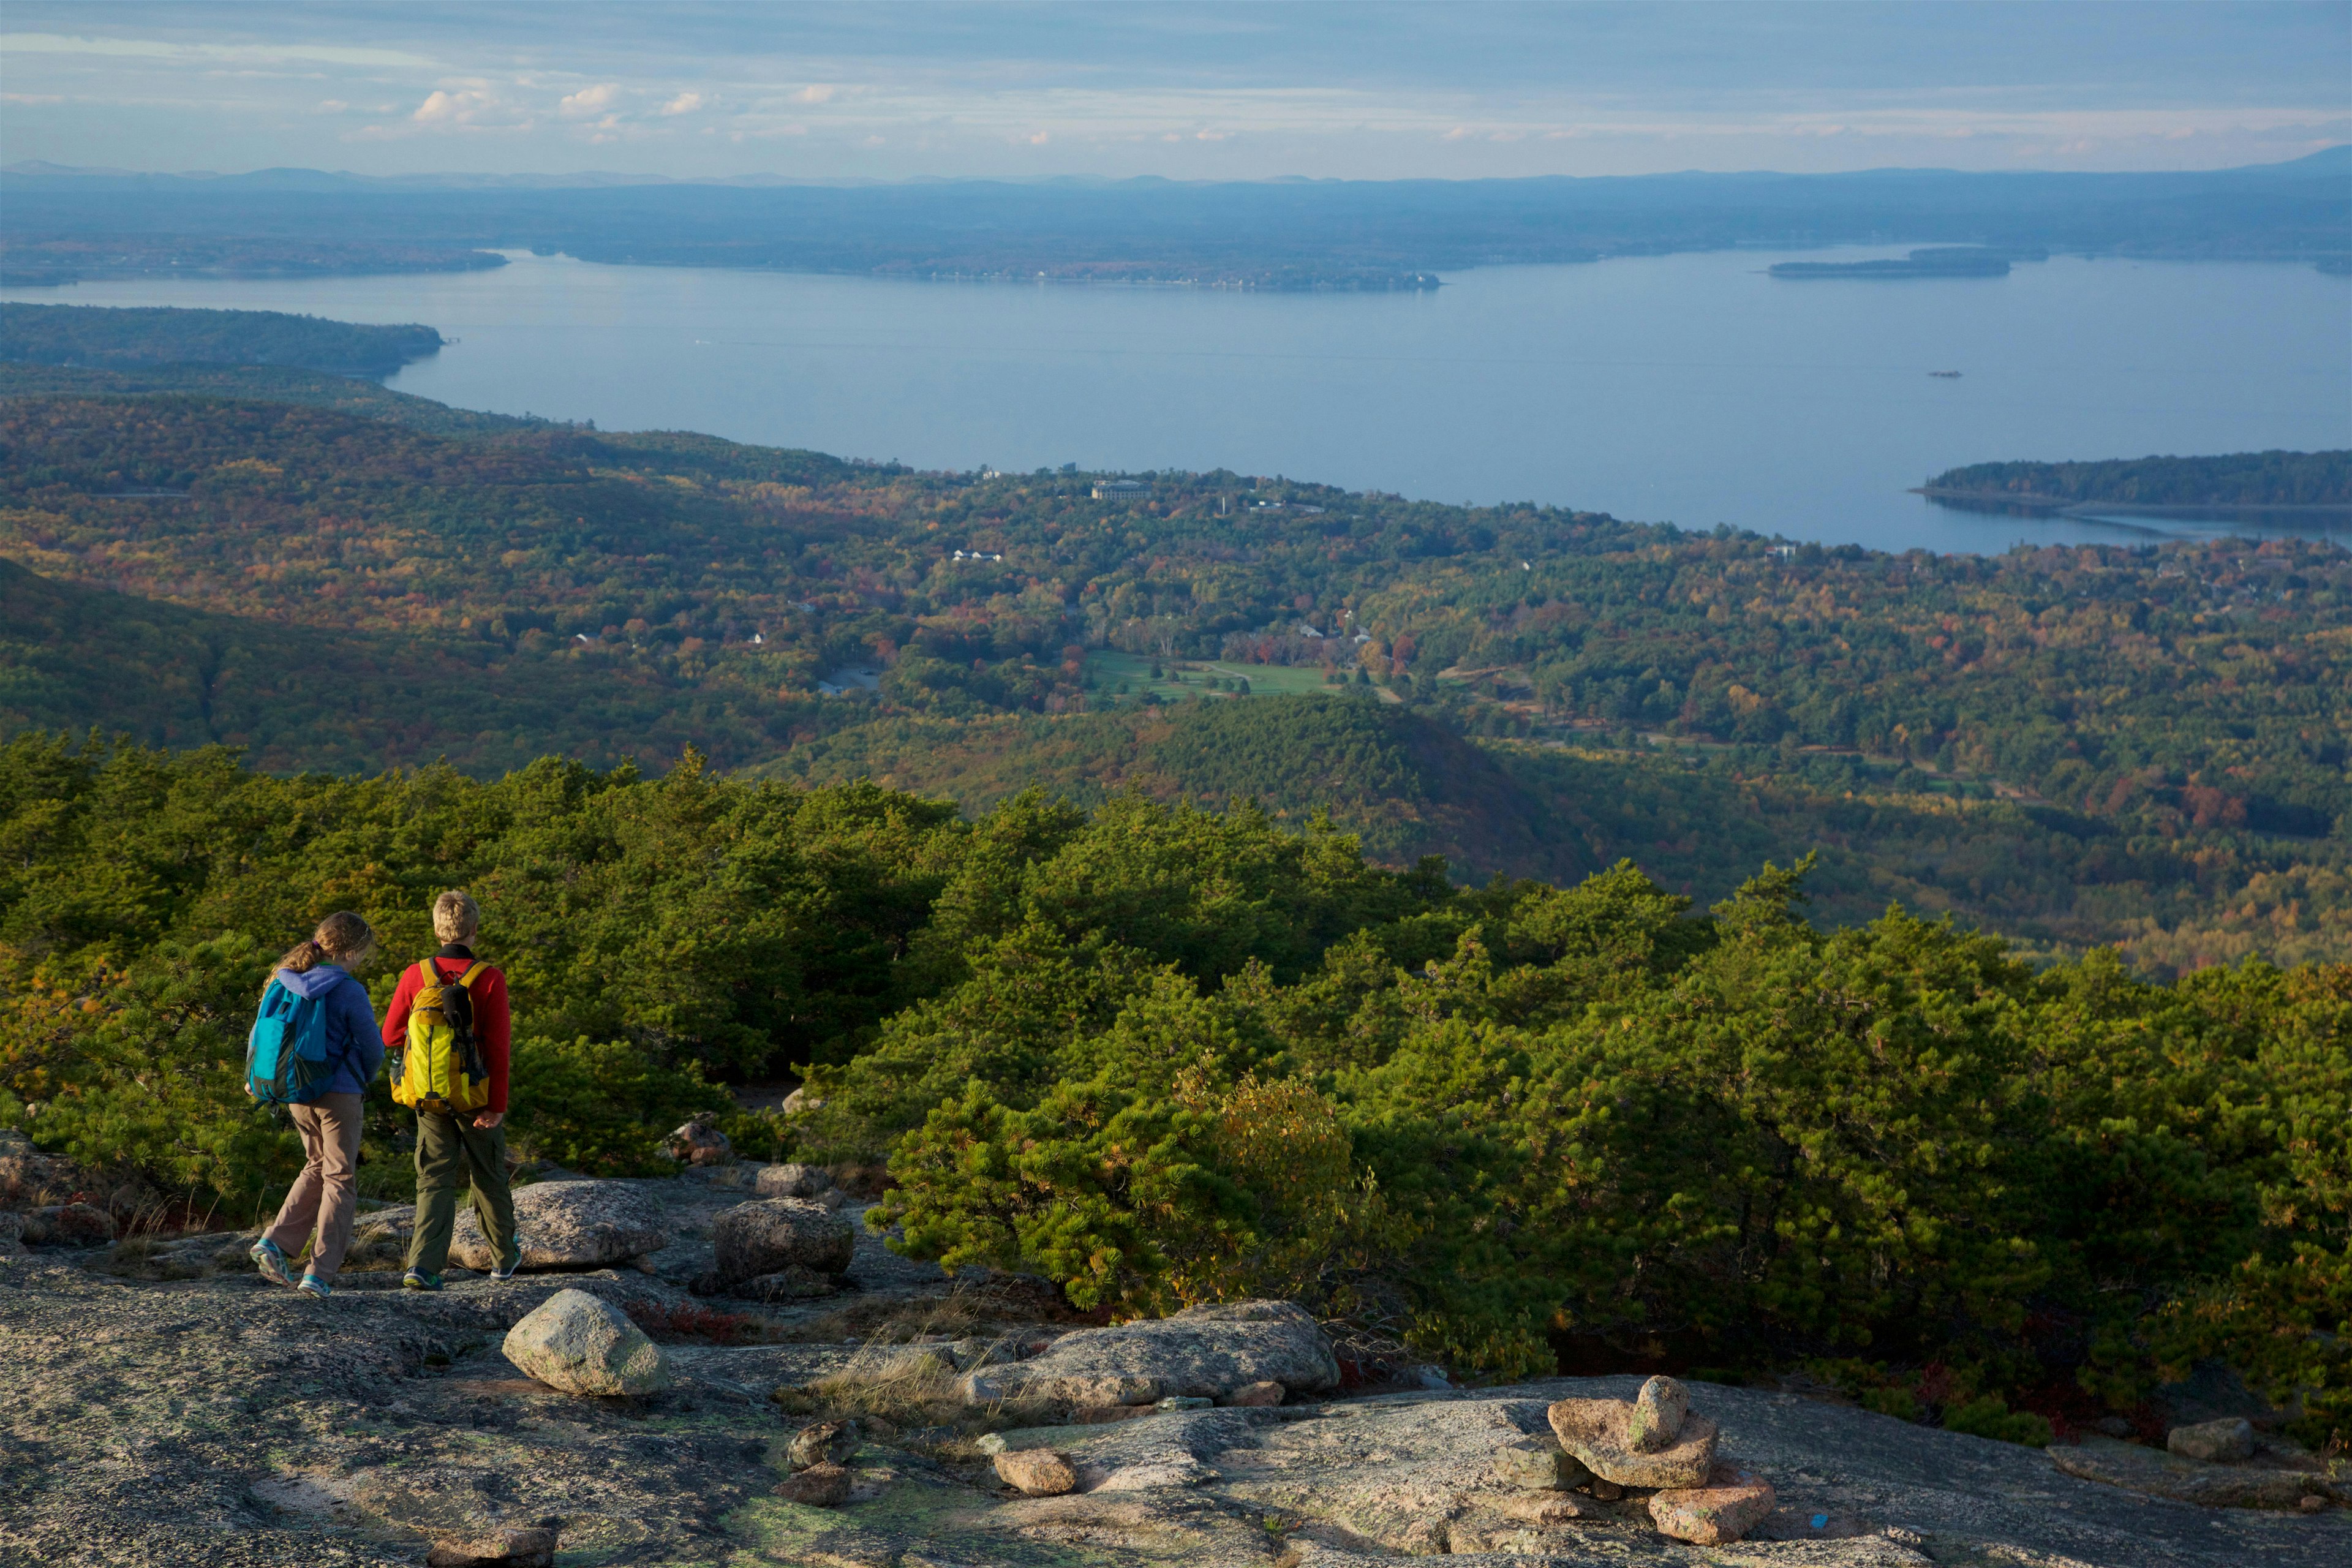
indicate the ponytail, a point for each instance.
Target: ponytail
{"x":343,"y":937}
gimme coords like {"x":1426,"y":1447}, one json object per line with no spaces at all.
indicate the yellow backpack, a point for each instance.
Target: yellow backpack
{"x":442,"y":1070}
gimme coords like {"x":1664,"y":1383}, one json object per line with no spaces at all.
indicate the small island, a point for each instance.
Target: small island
{"x":2316,"y":485}
{"x":1936,"y":261}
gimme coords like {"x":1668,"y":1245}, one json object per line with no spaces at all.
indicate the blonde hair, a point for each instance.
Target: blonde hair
{"x":342,"y":938}
{"x":456,"y":917}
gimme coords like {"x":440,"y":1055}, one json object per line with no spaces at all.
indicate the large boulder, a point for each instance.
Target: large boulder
{"x":581,"y":1344}
{"x":1202,"y":1351}
{"x":770,"y":1236}
{"x":567,"y":1225}
{"x":2219,"y":1442}
{"x":1602,"y":1434}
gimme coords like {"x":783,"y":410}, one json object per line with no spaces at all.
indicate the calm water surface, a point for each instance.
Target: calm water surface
{"x":1688,"y":389}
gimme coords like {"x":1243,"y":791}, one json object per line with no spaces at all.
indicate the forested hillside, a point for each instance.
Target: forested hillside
{"x":2154,"y":739}
{"x":1162,"y":1056}
{"x":99,"y":335}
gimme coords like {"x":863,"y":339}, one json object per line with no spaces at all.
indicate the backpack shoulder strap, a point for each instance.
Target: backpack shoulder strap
{"x":473,"y":972}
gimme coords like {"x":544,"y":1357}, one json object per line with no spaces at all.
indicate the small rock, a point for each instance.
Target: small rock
{"x":2112,"y":1427}
{"x":12,"y":1234}
{"x":1733,"y":1502}
{"x":769,"y":1235}
{"x":566,"y":1224}
{"x":2309,"y":1503}
{"x":1036,"y":1472}
{"x":1184,"y":1401}
{"x":798,"y":1101}
{"x":68,"y":1224}
{"x":1534,"y":1465}
{"x":819,"y":1486}
{"x":1607,"y":1491}
{"x":1658,"y":1411}
{"x":700,"y":1143}
{"x":824,"y":1443}
{"x":1595,"y":1431}
{"x":793,"y":1181}
{"x":580,"y":1344}
{"x":2217,"y":1442}
{"x":509,"y":1548}
{"x":991,"y":1443}
{"x":1543,"y":1508}
{"x":1257,"y":1395}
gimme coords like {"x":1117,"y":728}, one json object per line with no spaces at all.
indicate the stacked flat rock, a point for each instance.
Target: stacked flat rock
{"x":1653,"y":1441}
{"x":567,"y":1225}
{"x":700,"y":1143}
{"x":1732,"y":1502}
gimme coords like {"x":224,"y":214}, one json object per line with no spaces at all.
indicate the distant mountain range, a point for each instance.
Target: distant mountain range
{"x":60,"y":224}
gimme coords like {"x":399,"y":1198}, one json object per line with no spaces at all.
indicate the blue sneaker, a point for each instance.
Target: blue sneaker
{"x":417,"y":1280}
{"x":270,"y":1259}
{"x":313,"y":1286}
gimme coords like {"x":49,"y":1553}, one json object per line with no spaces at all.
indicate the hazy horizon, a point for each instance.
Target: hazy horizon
{"x":897,"y":91}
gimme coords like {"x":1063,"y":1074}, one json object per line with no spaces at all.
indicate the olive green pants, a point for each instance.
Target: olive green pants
{"x":451,"y":1149}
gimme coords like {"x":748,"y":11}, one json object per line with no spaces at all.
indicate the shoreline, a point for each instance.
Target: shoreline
{"x":2060,"y":506}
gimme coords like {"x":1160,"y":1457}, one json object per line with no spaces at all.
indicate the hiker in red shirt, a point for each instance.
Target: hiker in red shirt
{"x":450,"y":1023}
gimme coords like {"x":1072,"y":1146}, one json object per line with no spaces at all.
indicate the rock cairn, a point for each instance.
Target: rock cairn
{"x":1655,"y":1442}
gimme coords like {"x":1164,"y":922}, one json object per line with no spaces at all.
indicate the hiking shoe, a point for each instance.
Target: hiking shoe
{"x":507,"y":1270}
{"x":270,"y":1259}
{"x":417,"y":1280}
{"x":313,"y":1286}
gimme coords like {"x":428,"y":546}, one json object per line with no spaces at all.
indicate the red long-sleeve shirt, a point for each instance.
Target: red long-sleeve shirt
{"x":492,"y":1026}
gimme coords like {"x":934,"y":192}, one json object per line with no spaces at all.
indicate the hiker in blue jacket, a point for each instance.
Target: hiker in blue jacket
{"x":321,"y":1206}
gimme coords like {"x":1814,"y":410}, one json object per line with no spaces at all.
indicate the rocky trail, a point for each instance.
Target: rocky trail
{"x":799,"y":1394}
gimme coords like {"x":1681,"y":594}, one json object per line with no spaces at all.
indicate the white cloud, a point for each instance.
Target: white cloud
{"x":588,"y":101}
{"x":334,"y":106}
{"x":822,"y":93}
{"x":684,"y":103}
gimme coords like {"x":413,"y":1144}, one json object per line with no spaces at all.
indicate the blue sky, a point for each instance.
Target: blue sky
{"x":1191,"y":91}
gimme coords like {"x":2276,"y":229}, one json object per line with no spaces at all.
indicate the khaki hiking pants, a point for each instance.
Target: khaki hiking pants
{"x":322,"y":1199}
{"x":451,"y":1149}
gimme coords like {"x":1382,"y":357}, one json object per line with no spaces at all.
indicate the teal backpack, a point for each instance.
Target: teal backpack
{"x":286,"y":1058}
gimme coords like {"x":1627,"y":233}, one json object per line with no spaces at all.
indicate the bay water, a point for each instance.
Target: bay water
{"x":1693,"y":389}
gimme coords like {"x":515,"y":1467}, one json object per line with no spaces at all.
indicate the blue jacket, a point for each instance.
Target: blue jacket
{"x":353,"y":1043}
